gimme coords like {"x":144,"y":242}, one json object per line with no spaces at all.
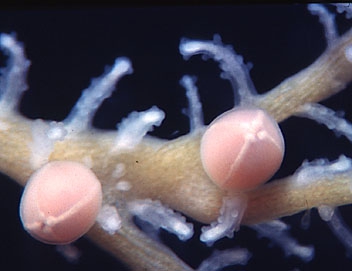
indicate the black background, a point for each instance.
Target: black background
{"x":69,"y":46}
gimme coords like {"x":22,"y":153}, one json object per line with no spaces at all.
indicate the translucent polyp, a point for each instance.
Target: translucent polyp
{"x":242,"y":148}
{"x":60,"y":202}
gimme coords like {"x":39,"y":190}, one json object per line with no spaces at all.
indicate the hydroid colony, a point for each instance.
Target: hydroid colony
{"x":201,"y":200}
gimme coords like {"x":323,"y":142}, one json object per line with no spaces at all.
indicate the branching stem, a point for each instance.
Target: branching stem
{"x":171,"y":171}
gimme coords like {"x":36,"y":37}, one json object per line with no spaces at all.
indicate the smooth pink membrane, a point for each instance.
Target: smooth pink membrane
{"x":60,"y":202}
{"x":242,"y":148}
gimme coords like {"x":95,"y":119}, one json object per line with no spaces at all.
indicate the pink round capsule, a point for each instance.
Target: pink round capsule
{"x":60,"y":202}
{"x":242,"y":149}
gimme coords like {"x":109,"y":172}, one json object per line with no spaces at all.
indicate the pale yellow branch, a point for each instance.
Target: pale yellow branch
{"x":283,"y":197}
{"x":131,"y":246}
{"x":329,"y":74}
